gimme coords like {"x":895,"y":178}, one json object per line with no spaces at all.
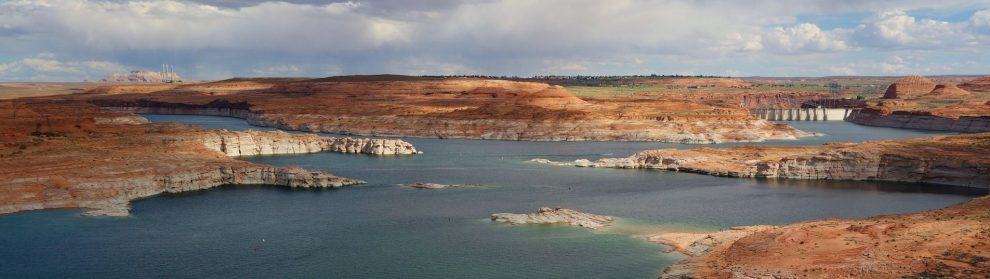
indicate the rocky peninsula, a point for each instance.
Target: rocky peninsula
{"x":446,"y":108}
{"x":953,"y":242}
{"x":948,"y":160}
{"x":546,"y":215}
{"x":65,"y":154}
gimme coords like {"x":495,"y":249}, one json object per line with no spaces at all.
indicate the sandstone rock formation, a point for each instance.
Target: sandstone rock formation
{"x":454,"y":108}
{"x":248,"y":143}
{"x":64,"y":154}
{"x":949,"y":160}
{"x":965,"y":118}
{"x":943,"y":90}
{"x":546,"y":215}
{"x":909,"y":87}
{"x":946,"y":243}
{"x":699,"y":243}
{"x":977,"y":85}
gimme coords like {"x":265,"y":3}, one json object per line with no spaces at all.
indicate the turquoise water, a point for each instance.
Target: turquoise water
{"x":383,"y":230}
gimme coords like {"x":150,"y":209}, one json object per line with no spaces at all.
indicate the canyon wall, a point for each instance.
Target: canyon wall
{"x":65,"y":154}
{"x":111,"y":196}
{"x":248,"y":143}
{"x":692,"y":131}
{"x":956,"y":160}
{"x":920,"y":120}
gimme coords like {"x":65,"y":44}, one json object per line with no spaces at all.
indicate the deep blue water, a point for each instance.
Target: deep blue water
{"x":381,"y":229}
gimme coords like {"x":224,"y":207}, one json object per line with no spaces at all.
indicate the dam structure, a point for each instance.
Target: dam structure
{"x":802,"y":114}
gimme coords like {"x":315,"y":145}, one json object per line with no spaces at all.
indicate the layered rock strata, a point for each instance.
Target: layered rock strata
{"x":953,"y":242}
{"x":68,"y":154}
{"x":909,"y":87}
{"x":454,"y":108}
{"x":975,"y":122}
{"x":664,"y":130}
{"x":948,"y":160}
{"x":546,"y":215}
{"x":248,"y":143}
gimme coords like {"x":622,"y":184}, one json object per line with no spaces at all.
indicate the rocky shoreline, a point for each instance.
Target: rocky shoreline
{"x":721,"y":131}
{"x":943,"y":243}
{"x":920,"y":121}
{"x":946,"y":160}
{"x":75,"y":155}
{"x":462,"y":108}
{"x":147,"y":186}
{"x":250,"y":143}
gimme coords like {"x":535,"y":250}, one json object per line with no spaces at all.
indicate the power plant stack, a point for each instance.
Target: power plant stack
{"x":168,"y":74}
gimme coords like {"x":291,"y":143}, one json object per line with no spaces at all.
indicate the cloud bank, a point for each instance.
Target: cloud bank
{"x":85,"y":39}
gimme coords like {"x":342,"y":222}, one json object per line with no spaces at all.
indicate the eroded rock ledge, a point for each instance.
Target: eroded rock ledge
{"x":248,"y":143}
{"x":546,"y":215}
{"x":922,"y":120}
{"x":948,"y":160}
{"x":64,"y":154}
{"x":953,"y":242}
{"x":450,"y":108}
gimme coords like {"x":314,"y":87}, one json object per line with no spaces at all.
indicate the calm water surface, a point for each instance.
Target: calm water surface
{"x":381,"y":229}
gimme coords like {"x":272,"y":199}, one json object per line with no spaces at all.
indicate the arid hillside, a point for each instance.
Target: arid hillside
{"x":953,"y":242}
{"x":447,"y":108}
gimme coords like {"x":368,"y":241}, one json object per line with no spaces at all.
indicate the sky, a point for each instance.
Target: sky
{"x":76,"y":40}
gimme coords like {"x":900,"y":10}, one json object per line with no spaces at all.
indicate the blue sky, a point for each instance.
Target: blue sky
{"x":74,"y":40}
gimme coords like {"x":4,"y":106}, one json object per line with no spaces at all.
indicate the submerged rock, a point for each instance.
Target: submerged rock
{"x":427,"y":185}
{"x":546,"y":215}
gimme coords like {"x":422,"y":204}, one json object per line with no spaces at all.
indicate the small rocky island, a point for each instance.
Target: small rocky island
{"x":546,"y":215}
{"x":433,"y":186}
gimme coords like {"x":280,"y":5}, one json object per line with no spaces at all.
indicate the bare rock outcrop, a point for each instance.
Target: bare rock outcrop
{"x":249,"y":143}
{"x":969,"y":119}
{"x":909,"y":87}
{"x":151,"y":185}
{"x":453,"y":108}
{"x":65,"y":154}
{"x":434,"y":186}
{"x":947,"y":90}
{"x":942,"y":243}
{"x":546,"y":215}
{"x":948,"y":160}
{"x":977,"y":85}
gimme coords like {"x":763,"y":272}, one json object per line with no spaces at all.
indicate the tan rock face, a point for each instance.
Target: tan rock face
{"x":69,"y":154}
{"x":977,"y":85}
{"x":946,"y":243}
{"x":546,"y":215}
{"x":909,"y":87}
{"x":952,"y":160}
{"x":249,"y":143}
{"x":965,"y":118}
{"x":949,"y":90}
{"x":456,"y":108}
